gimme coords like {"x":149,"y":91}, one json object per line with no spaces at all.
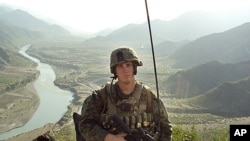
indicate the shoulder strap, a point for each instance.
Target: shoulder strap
{"x":104,"y":93}
{"x":149,"y":99}
{"x":146,"y":100}
{"x":138,"y":91}
{"x":110,"y":93}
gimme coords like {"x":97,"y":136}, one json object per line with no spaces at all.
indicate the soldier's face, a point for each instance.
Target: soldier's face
{"x":125,"y":72}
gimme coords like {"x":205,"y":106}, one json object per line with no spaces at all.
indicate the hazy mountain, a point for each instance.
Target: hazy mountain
{"x":25,"y":20}
{"x":195,"y":24}
{"x":188,"y":26}
{"x":229,"y":47}
{"x":229,"y":99}
{"x":11,"y":35}
{"x":131,"y":34}
{"x":19,"y":27}
{"x":167,"y":48}
{"x":4,"y":9}
{"x":199,"y":79}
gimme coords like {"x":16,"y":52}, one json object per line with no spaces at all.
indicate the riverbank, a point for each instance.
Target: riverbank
{"x":80,"y":93}
{"x":33,"y":105}
{"x":66,"y":119}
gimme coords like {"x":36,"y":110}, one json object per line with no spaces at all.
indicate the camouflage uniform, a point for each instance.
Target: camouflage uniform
{"x":108,"y":100}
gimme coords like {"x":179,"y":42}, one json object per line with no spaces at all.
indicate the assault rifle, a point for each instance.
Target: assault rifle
{"x":138,"y":135}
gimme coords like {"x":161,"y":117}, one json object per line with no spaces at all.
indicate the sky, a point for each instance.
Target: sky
{"x":91,"y":16}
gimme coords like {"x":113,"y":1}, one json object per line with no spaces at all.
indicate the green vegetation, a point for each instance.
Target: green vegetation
{"x":195,"y":134}
{"x":6,"y":82}
{"x":179,"y":134}
{"x":10,"y":81}
{"x":65,"y":134}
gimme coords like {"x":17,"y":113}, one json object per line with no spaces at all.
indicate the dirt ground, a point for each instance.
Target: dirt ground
{"x":17,"y":107}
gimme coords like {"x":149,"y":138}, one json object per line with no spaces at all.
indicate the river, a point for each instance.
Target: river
{"x":53,"y":100}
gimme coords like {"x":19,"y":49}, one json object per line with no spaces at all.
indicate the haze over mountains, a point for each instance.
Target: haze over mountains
{"x":17,"y":25}
{"x":23,"y":19}
{"x":212,"y":50}
{"x":230,"y":46}
{"x":188,"y":26}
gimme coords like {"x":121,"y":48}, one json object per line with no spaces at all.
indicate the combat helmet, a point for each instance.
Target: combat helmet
{"x":123,"y":54}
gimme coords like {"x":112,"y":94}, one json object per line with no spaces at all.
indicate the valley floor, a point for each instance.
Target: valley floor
{"x":14,"y":111}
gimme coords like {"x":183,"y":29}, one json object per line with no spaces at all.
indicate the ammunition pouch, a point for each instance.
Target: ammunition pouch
{"x":134,"y":123}
{"x":139,"y":134}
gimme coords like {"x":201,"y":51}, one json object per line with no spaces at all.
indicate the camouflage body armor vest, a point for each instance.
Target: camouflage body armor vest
{"x":135,"y":110}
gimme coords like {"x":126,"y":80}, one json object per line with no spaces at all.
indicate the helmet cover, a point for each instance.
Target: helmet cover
{"x":123,"y":54}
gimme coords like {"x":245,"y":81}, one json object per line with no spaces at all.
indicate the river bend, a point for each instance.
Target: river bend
{"x":53,"y":100}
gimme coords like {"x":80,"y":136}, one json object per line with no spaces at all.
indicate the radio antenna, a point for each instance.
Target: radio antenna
{"x":153,"y":54}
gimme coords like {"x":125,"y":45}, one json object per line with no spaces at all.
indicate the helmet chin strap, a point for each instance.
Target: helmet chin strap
{"x":113,"y":77}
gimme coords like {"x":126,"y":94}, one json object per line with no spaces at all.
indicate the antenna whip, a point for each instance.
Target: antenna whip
{"x":153,"y":54}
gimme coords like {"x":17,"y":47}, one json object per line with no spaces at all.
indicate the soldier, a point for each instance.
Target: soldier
{"x":134,"y":103}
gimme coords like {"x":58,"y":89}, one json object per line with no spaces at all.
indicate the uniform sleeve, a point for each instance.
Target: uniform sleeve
{"x":91,"y":112}
{"x":165,"y":126}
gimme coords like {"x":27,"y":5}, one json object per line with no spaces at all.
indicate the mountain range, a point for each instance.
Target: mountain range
{"x":229,"y":99}
{"x":20,"y":18}
{"x":188,"y":26}
{"x":202,"y":78}
{"x":230,"y":46}
{"x":18,"y":27}
{"x":213,"y":51}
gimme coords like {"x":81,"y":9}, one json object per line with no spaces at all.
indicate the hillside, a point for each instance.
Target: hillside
{"x":27,"y":21}
{"x":230,"y":46}
{"x":229,"y":99}
{"x":199,"y":79}
{"x":18,"y":64}
{"x":12,"y":36}
{"x":166,"y":48}
{"x":4,"y":58}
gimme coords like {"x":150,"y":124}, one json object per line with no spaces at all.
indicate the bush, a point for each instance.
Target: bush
{"x":180,"y":134}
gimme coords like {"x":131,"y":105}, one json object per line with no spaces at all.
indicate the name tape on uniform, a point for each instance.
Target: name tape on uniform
{"x":239,"y":132}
